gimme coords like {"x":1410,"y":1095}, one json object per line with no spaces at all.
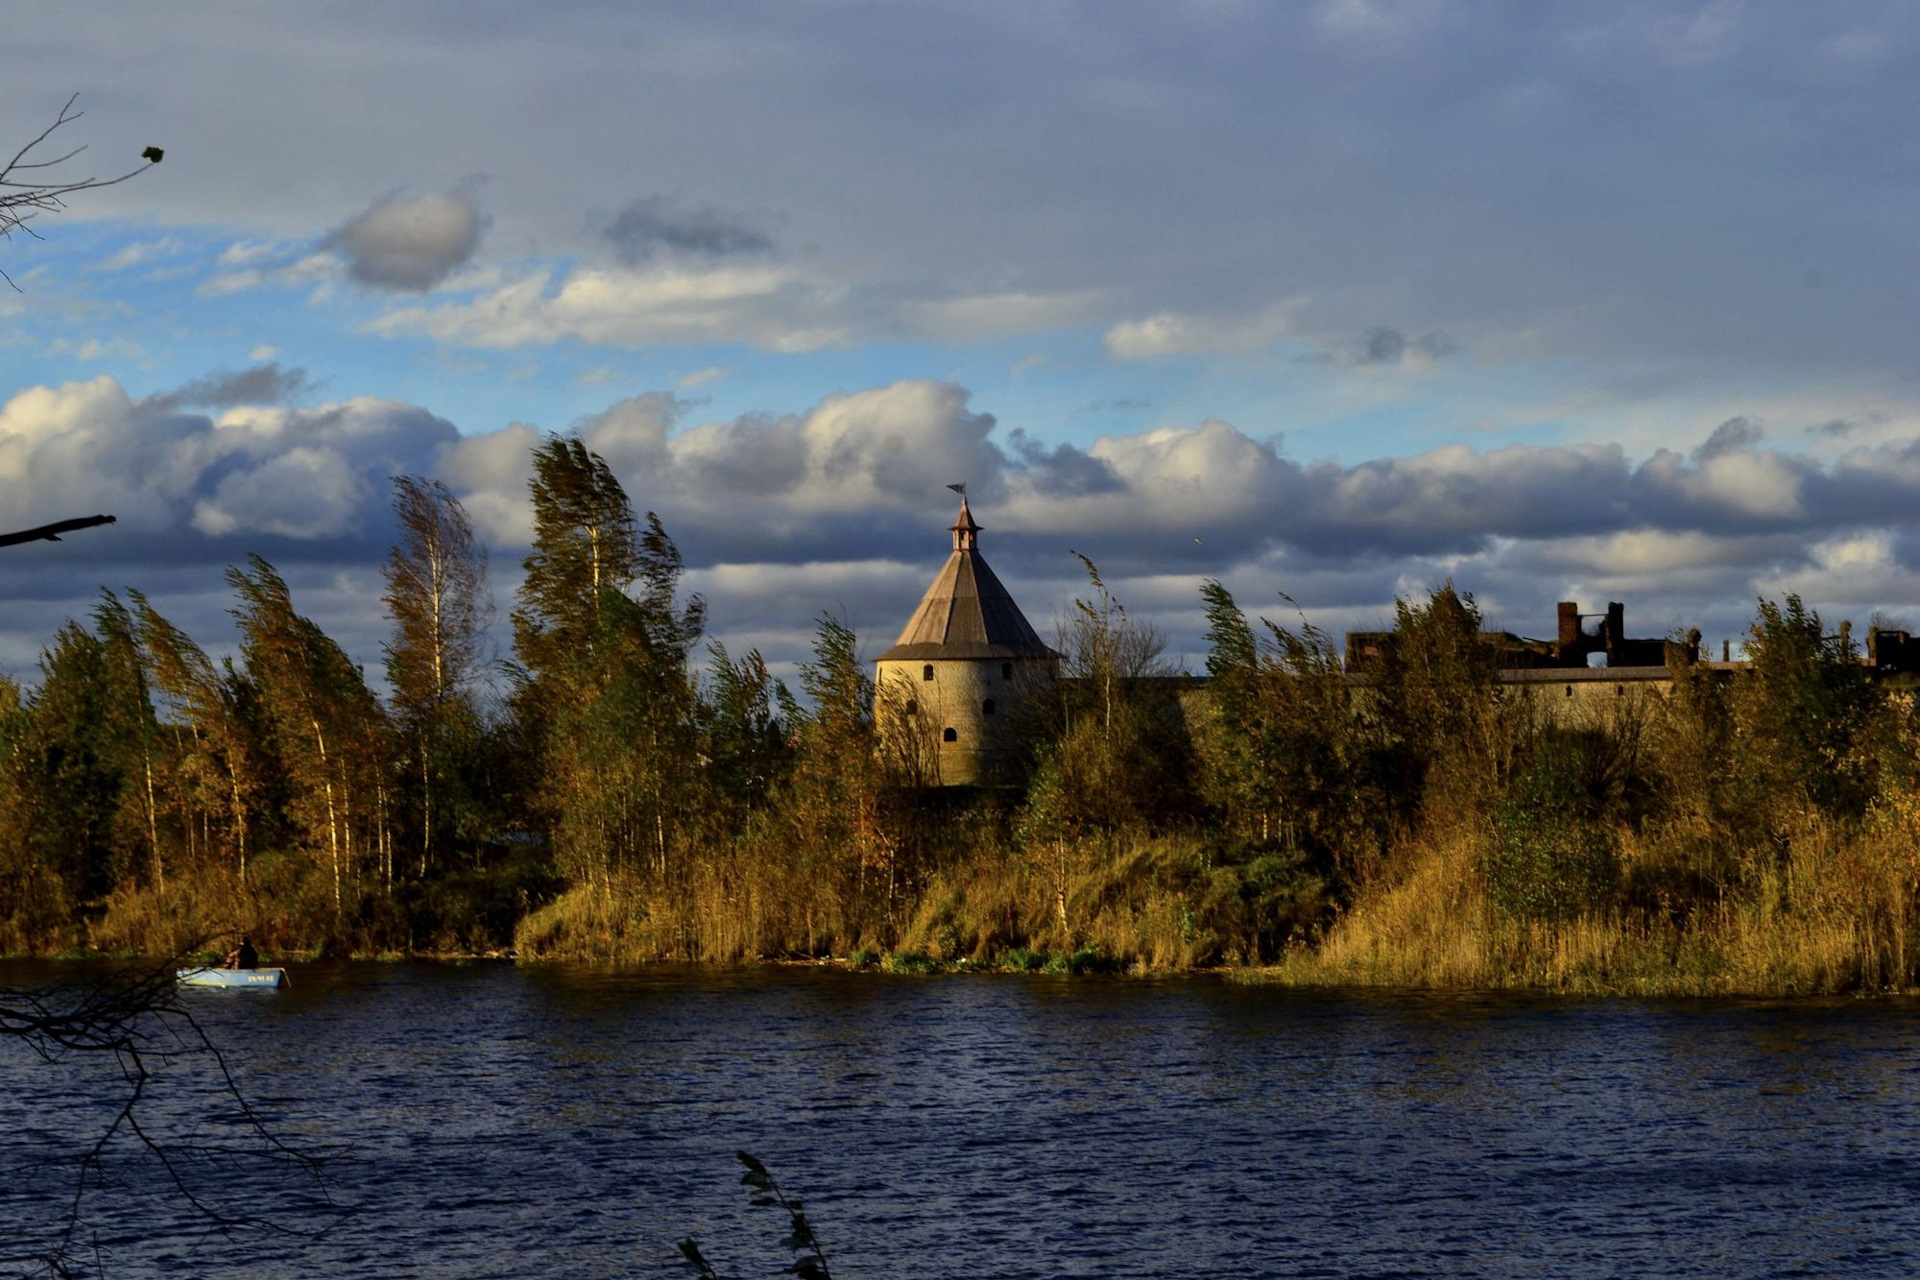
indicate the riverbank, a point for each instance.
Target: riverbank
{"x":1831,"y":913}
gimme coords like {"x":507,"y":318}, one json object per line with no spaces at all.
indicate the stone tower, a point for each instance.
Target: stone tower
{"x":950,"y":692}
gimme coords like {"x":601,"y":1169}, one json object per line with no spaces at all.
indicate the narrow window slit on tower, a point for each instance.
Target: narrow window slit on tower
{"x":926,"y":672}
{"x":986,"y":708}
{"x":948,"y":735}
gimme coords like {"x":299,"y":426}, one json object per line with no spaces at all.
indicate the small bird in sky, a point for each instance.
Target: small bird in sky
{"x":153,"y":155}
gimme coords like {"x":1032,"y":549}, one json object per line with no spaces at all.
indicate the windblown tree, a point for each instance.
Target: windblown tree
{"x":215,"y":772}
{"x":1800,"y":721}
{"x":603,"y":642}
{"x":1104,"y":765}
{"x":328,"y":730}
{"x":81,"y":772}
{"x":585,"y":555}
{"x":1283,"y":759}
{"x":128,"y":706}
{"x":742,"y":714}
{"x":62,"y":789}
{"x":1113,"y":762}
{"x":1435,"y":704}
{"x":836,"y":824}
{"x":436,"y":594}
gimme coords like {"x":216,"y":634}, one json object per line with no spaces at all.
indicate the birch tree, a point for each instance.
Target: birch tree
{"x":327,"y":727}
{"x":603,"y":639}
{"x":436,"y":594}
{"x":216,"y":772}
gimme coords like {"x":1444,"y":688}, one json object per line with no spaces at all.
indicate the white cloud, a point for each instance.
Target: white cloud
{"x":246,"y":253}
{"x":701,"y":378}
{"x":140,"y":252}
{"x":977,"y":316}
{"x":782,"y":515}
{"x":1172,"y":333}
{"x":230,"y":282}
{"x":770,"y":307}
{"x":91,"y":349}
{"x":293,"y":473}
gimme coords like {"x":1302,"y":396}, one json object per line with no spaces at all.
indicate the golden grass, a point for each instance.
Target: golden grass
{"x":1128,"y":905}
{"x":1826,"y":911}
{"x":1835,"y":915}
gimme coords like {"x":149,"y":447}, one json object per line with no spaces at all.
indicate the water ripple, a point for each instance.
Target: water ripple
{"x":559,"y":1122}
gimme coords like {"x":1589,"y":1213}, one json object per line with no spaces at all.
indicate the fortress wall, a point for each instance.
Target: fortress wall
{"x":986,"y":746}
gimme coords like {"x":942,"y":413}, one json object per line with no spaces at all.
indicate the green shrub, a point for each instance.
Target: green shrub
{"x":861,"y":957}
{"x":908,"y":962}
{"x":1025,"y":960}
{"x":1551,"y":859}
{"x":1261,"y":905}
{"x":1085,"y":960}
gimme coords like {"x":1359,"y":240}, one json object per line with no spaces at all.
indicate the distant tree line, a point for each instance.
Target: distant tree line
{"x":635,"y":794}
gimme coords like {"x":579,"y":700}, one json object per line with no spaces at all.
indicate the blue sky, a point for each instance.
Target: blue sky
{"x":1607,"y":301}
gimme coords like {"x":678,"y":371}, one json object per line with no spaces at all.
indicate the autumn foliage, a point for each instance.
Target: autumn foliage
{"x":616,"y":789}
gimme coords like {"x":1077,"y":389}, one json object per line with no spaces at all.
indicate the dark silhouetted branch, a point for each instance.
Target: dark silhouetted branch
{"x":29,"y":187}
{"x":136,"y":1025}
{"x":52,"y":532}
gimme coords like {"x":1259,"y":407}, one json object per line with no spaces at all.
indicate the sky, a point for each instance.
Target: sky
{"x":1333,"y":302}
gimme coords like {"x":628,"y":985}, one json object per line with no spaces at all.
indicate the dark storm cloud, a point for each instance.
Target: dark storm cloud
{"x":1061,"y":470}
{"x":1386,"y":346}
{"x":1633,"y":182}
{"x":1841,"y":428}
{"x":268,"y":383}
{"x":655,"y":223}
{"x":1731,"y":436}
{"x":410,"y":242}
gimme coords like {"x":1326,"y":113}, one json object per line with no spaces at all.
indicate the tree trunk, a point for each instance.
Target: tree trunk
{"x":153,"y":829}
{"x":333,"y":822}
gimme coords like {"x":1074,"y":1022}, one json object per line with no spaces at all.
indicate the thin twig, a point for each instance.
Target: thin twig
{"x":21,"y":201}
{"x":140,"y":1024}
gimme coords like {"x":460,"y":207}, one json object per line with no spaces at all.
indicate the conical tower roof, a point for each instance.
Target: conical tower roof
{"x":966,"y":613}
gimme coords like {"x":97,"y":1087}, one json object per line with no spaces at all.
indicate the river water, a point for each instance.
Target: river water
{"x":535,"y":1121}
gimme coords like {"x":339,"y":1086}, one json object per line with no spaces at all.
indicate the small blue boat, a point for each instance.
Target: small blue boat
{"x":263,"y":978}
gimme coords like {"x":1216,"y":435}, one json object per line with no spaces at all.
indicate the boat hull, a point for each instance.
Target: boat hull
{"x":245,"y":978}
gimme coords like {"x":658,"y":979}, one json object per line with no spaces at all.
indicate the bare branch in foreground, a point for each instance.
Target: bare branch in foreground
{"x":137,"y":1028}
{"x":28,"y":187}
{"x":52,"y":532}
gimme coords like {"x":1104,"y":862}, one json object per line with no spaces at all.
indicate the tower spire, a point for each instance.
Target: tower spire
{"x":966,"y":534}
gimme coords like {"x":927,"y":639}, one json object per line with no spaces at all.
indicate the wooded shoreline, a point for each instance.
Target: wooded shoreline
{"x":626,"y":799}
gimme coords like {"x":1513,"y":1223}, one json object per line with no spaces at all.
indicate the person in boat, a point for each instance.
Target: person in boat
{"x":243,"y":956}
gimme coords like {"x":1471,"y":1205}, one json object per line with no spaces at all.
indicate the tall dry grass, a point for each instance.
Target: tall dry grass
{"x":1139,"y":904}
{"x":1831,"y":911}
